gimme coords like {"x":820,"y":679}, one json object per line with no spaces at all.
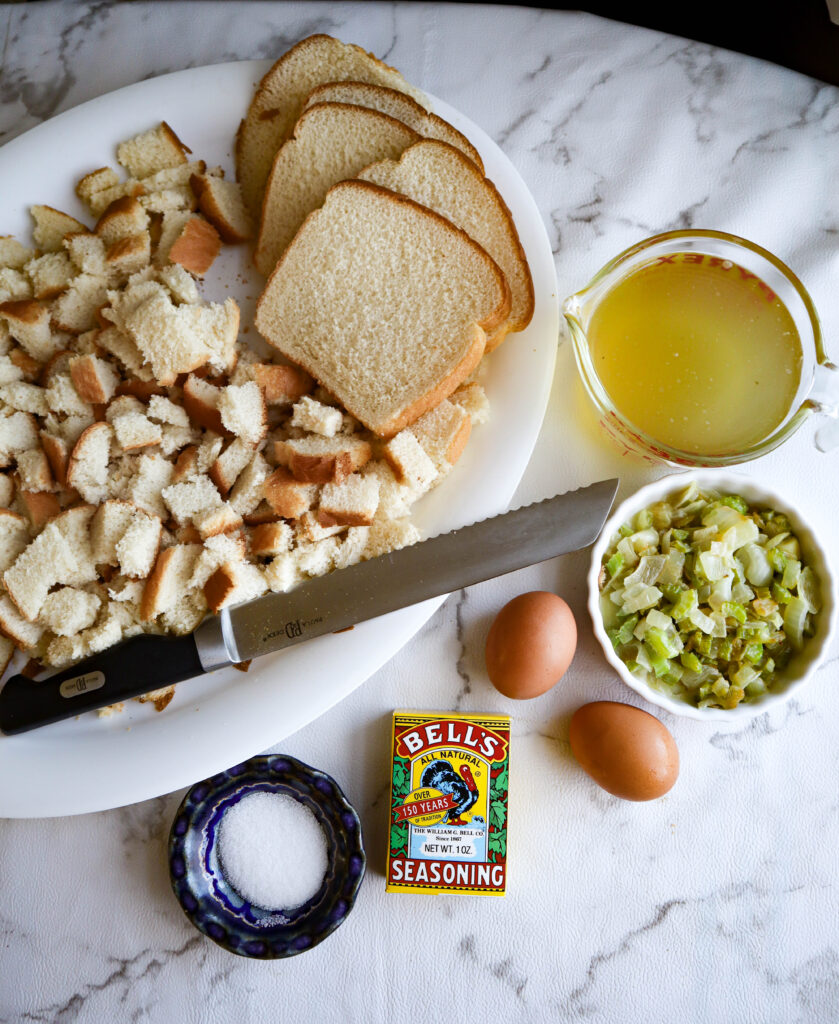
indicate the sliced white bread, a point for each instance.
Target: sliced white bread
{"x":280,"y":96}
{"x":386,"y":303}
{"x":438,"y":176}
{"x":399,"y":105}
{"x":331,"y":142}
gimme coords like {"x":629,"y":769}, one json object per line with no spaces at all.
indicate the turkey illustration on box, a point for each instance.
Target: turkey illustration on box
{"x":448,"y":809}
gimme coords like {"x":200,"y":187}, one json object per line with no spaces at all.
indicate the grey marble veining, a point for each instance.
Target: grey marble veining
{"x":717,"y":903}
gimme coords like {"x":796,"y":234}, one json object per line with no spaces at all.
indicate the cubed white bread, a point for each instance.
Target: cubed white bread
{"x":68,"y":610}
{"x":122,"y":219}
{"x":164,"y":410}
{"x":76,"y":308}
{"x":282,"y":573}
{"x":307,"y":529}
{"x":390,"y":535}
{"x":9,"y":371}
{"x":287,"y":496}
{"x":209,"y":449}
{"x":171,"y":228}
{"x":243,"y":413}
{"x":269,"y":539}
{"x":169,"y":579}
{"x":191,"y":498}
{"x":109,"y":523}
{"x":51,"y":226}
{"x":14,"y":537}
{"x":63,"y":398}
{"x":196,"y":246}
{"x":473,"y":399}
{"x":177,"y":176}
{"x":92,"y":185}
{"x":134,"y":430}
{"x":137,"y":549}
{"x":353,"y":502}
{"x":162,"y":696}
{"x":185,"y":616}
{"x":248,"y":491}
{"x":121,"y":346}
{"x":283,"y":385}
{"x":23,"y":633}
{"x":217,"y":324}
{"x":46,"y":561}
{"x":409,"y":461}
{"x":352,"y":547}
{"x":180,"y":197}
{"x":23,"y":397}
{"x":443,"y":433}
{"x":320,"y":460}
{"x":74,"y":526}
{"x":128,"y":255}
{"x":87,"y":253}
{"x":50,"y":274}
{"x":13,"y":254}
{"x":40,"y":507}
{"x":14,"y":285}
{"x":230,"y":463}
{"x":34,"y":471}
{"x":18,"y":433}
{"x":94,"y":379}
{"x":216,"y":551}
{"x":234,"y":583}
{"x":152,"y":151}
{"x":164,"y":338}
{"x":7,"y":490}
{"x":181,"y":284}
{"x":212,"y":522}
{"x":29,"y":324}
{"x":309,"y":414}
{"x":87,"y":470}
{"x":221,"y":203}
{"x":153,"y":476}
{"x":122,"y":405}
{"x":318,"y":558}
{"x":58,"y":455}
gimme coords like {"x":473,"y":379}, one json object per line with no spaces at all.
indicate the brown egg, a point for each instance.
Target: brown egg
{"x":530,"y":644}
{"x":625,"y":750}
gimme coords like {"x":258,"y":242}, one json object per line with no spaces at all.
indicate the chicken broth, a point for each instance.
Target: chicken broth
{"x":448,"y":809}
{"x":698,"y":353}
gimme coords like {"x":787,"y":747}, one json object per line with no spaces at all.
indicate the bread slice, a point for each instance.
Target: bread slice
{"x":399,"y":105}
{"x":438,"y":176}
{"x":331,"y":142}
{"x":384,"y":302}
{"x":280,"y":96}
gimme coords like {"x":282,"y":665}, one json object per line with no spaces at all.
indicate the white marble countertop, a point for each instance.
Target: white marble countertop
{"x":718,"y":902}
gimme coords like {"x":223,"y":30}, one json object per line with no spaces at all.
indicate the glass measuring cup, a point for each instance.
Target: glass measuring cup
{"x":818,"y":384}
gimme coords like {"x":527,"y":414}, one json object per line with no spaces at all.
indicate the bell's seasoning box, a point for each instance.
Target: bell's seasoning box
{"x":448,"y":803}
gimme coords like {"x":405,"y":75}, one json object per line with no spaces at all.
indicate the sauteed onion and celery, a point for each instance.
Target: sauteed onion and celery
{"x":707,"y":597}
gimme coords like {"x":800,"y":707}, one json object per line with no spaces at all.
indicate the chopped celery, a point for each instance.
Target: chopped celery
{"x":701,"y":584}
{"x":615,"y":564}
{"x":795,"y":618}
{"x":685,"y":603}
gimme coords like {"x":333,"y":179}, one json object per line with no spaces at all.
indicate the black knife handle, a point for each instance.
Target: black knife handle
{"x":133,"y":667}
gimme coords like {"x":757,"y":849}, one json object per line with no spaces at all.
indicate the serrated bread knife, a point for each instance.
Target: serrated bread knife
{"x":326,"y":604}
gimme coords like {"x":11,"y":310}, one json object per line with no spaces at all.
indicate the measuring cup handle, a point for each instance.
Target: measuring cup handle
{"x":824,"y":398}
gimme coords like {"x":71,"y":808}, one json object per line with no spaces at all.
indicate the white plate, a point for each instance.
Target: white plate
{"x":92,"y":763}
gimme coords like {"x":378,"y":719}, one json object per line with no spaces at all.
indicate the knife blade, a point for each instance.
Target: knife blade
{"x":325,"y":604}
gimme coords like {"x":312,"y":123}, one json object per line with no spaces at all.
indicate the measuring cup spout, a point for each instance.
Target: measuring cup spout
{"x":824,"y":398}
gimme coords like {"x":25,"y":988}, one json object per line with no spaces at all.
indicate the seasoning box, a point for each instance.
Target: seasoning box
{"x":448,"y":803}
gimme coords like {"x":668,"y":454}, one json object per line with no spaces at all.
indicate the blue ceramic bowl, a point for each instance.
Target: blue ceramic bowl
{"x":214,"y":906}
